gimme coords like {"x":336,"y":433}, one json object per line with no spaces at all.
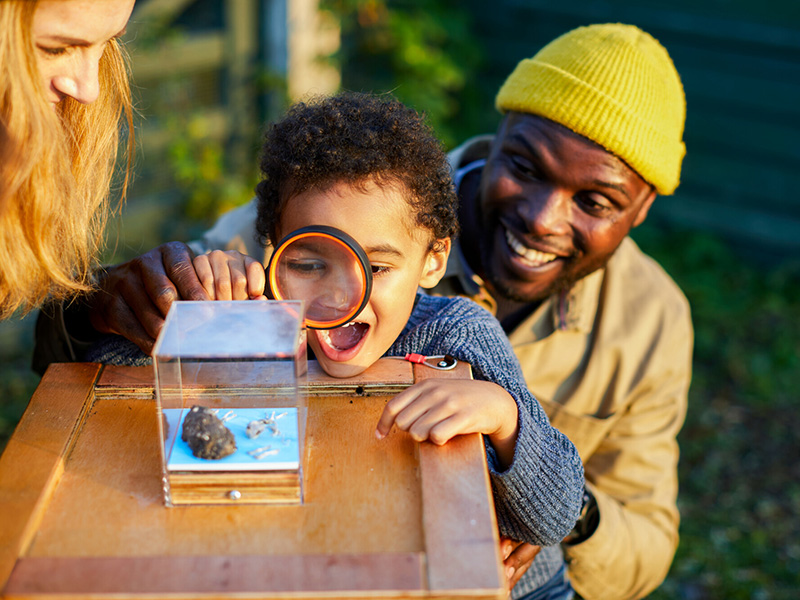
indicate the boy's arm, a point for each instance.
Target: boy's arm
{"x":539,"y":497}
{"x":440,"y":409}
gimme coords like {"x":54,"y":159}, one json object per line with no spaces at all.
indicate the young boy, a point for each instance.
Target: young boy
{"x":370,"y":167}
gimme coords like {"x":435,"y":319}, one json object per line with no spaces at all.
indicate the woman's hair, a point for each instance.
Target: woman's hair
{"x":56,"y":169}
{"x":355,"y":138}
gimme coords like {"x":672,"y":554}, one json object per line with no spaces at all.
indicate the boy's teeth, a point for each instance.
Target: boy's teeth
{"x":529,"y":254}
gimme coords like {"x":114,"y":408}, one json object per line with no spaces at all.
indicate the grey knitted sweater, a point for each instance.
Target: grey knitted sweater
{"x":538,"y":498}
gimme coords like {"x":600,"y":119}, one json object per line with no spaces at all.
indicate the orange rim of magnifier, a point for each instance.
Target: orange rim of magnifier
{"x":333,"y":234}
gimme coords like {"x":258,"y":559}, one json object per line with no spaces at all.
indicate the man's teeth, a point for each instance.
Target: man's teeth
{"x":530,"y":255}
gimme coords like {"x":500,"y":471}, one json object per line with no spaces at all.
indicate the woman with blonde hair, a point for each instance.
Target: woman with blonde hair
{"x":63,"y":93}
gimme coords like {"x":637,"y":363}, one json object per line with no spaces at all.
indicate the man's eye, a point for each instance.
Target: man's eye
{"x":594,"y":205}
{"x":523,"y":165}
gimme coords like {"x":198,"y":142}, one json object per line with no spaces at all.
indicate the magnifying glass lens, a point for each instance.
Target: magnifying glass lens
{"x":325,"y":270}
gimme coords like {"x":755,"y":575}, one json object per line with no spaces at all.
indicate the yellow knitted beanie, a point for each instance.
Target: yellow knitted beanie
{"x":614,"y":84}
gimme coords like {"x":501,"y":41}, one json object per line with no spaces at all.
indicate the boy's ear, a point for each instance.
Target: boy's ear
{"x":435,"y":263}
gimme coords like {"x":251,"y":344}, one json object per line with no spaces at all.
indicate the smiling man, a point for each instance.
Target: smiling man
{"x":591,"y":134}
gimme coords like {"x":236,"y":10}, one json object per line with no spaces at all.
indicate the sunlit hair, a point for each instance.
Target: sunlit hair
{"x":355,"y":139}
{"x":56,"y":169}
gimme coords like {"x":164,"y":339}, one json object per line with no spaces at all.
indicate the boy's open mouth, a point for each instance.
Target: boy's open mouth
{"x":336,"y":343}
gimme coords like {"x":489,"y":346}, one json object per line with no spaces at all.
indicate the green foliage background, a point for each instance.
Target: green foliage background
{"x":740,"y":479}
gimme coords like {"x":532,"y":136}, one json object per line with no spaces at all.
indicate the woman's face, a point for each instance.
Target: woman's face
{"x":70,"y":37}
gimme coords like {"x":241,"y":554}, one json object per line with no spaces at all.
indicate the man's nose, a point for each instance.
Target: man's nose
{"x":547,"y":212}
{"x":81,"y":82}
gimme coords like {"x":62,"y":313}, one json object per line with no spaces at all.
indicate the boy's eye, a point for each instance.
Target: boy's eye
{"x":378,"y":270}
{"x":307,"y":268}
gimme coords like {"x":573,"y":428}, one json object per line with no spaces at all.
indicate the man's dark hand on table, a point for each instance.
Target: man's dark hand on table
{"x":133,"y":297}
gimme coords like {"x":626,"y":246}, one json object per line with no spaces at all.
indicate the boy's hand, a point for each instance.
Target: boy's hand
{"x":230,"y":275}
{"x":439,"y":409}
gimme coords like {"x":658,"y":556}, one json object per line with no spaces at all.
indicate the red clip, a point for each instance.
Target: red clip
{"x":416,"y":358}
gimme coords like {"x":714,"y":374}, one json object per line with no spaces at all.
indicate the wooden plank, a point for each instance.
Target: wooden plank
{"x":386,"y":374}
{"x":106,"y":531}
{"x":126,"y":382}
{"x":33,"y":460}
{"x":458,"y":510}
{"x":274,"y":487}
{"x":362,"y":494}
{"x":210,"y":575}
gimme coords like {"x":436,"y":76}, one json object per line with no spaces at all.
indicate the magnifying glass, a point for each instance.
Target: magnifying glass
{"x":327,"y":269}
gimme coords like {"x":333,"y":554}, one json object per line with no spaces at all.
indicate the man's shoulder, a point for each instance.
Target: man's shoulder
{"x":234,"y":230}
{"x":640,"y":281}
{"x":475,"y":148}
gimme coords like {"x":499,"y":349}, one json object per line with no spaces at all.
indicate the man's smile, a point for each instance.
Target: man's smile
{"x":530,"y":257}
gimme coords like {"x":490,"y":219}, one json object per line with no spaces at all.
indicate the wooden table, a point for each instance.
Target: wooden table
{"x":82,"y":512}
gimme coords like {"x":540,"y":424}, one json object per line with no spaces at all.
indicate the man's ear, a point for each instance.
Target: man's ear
{"x":645,"y":208}
{"x":435,"y":263}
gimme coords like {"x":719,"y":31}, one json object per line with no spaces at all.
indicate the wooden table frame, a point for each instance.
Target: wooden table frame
{"x":459,"y":555}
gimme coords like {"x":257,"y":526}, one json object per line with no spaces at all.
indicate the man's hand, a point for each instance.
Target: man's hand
{"x":134,"y":296}
{"x":517,"y":557}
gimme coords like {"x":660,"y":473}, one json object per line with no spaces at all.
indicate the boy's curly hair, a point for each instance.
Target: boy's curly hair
{"x":355,"y":138}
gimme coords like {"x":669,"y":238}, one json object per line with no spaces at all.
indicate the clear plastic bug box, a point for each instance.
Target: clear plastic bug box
{"x":232,"y":402}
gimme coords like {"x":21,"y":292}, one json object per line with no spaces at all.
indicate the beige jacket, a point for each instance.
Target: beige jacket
{"x":610,"y":361}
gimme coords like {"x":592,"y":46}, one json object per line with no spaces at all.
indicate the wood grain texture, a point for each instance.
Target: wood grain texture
{"x":203,"y":576}
{"x":33,"y":461}
{"x":386,"y":373}
{"x":270,"y":487}
{"x":101,"y":526}
{"x":362,"y":495}
{"x":458,"y":510}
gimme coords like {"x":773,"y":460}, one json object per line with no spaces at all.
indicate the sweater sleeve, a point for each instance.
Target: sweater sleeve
{"x":538,"y":498}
